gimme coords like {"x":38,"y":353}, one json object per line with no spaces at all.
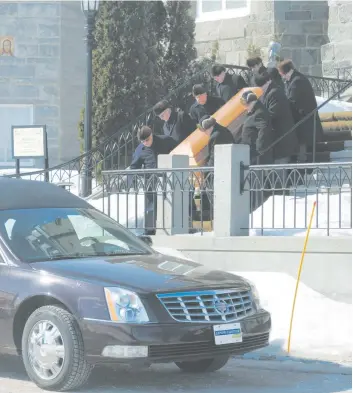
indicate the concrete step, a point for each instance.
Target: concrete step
{"x":342,"y":155}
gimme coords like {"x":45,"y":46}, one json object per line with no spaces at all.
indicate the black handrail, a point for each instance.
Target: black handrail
{"x":104,"y":145}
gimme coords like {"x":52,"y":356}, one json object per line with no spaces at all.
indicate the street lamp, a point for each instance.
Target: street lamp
{"x":89,"y":8}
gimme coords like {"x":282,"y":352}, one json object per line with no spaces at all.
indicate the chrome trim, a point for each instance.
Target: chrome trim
{"x":209,"y":306}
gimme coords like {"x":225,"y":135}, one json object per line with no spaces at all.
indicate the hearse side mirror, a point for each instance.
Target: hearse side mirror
{"x":146,"y":239}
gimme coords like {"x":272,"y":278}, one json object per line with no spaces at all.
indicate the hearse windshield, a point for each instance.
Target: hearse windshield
{"x":35,"y":235}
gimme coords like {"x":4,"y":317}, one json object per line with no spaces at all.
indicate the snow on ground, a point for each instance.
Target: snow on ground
{"x":280,"y":216}
{"x":322,"y":328}
{"x":333,"y":106}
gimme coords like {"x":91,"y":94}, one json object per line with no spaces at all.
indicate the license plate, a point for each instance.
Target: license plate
{"x":228,"y":333}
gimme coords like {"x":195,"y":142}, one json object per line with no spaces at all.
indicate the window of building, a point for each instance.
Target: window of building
{"x":13,"y":115}
{"x":208,"y":10}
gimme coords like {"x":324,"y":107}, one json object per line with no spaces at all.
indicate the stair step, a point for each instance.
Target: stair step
{"x":342,"y":154}
{"x":330,"y":146}
{"x":348,"y":145}
{"x":337,"y":136}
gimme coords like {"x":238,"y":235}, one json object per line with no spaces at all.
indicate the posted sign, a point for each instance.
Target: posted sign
{"x":28,"y":142}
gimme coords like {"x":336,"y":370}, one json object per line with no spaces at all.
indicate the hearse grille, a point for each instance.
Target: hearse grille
{"x":208,"y":306}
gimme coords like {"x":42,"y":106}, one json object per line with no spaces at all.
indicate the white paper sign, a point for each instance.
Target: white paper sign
{"x":28,"y":142}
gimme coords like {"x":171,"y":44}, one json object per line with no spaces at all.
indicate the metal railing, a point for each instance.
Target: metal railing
{"x":344,"y":72}
{"x":185,"y":198}
{"x":281,"y":198}
{"x":116,"y":151}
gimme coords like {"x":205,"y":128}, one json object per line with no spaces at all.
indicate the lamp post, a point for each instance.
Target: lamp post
{"x":89,"y":8}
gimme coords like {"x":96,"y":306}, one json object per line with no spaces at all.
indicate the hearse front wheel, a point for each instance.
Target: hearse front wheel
{"x":203,"y":366}
{"x":52,"y":350}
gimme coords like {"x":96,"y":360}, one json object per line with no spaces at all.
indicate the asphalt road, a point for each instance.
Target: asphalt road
{"x":236,"y":377}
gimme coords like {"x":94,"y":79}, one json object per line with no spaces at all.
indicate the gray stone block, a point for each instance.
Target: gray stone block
{"x":328,"y":69}
{"x":39,"y":9}
{"x":240,"y":44}
{"x":293,"y":41}
{"x":316,"y":40}
{"x":225,"y":46}
{"x":24,"y":30}
{"x":49,"y":94}
{"x":298,"y":15}
{"x":19,"y":71}
{"x":345,"y":12}
{"x":310,"y":56}
{"x":316,"y":70}
{"x":311,"y":27}
{"x":327,"y":52}
{"x":45,"y":68}
{"x":297,"y":57}
{"x":343,"y":51}
{"x":49,"y":50}
{"x":319,"y":12}
{"x":45,"y":112}
{"x":218,"y":30}
{"x":340,"y":32}
{"x":258,"y":29}
{"x":4,"y":89}
{"x":52,"y":131}
{"x":7,"y":9}
{"x":24,"y":91}
{"x":48,"y":30}
{"x":26,"y":50}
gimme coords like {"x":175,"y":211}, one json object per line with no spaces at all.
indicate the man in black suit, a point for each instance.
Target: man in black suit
{"x":303,"y":101}
{"x":257,"y":129}
{"x":204,"y":104}
{"x":146,"y":157}
{"x":227,"y":85}
{"x":277,"y":104}
{"x":177,"y":123}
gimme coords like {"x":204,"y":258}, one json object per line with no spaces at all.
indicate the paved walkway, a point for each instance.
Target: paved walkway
{"x":238,"y":376}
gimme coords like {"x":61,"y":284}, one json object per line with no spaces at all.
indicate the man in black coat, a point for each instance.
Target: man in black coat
{"x":227,"y":85}
{"x":146,"y":157}
{"x":204,"y":104}
{"x":218,"y":134}
{"x":303,"y":101}
{"x":278,"y":106}
{"x":256,"y":66}
{"x":276,"y":76}
{"x":177,"y":123}
{"x":257,"y":129}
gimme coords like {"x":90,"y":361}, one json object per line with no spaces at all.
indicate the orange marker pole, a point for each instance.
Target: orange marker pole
{"x":299,"y":274}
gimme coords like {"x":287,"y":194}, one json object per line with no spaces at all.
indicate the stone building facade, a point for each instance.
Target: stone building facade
{"x":316,"y":35}
{"x":42,"y":81}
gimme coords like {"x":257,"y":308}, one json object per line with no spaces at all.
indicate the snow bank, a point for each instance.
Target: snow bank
{"x":333,"y":106}
{"x":322,"y":328}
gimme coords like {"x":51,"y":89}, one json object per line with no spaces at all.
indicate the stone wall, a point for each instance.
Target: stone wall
{"x":302,"y":26}
{"x":337,"y":54}
{"x":46,"y":70}
{"x":230,"y":40}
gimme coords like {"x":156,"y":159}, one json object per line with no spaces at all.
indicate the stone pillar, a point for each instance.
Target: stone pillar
{"x":173,"y":203}
{"x":231,"y":207}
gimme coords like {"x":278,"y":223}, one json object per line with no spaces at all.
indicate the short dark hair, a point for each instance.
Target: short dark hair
{"x":253,"y":61}
{"x":274,"y":73}
{"x":143,"y":133}
{"x":198,"y":90}
{"x":217,"y":70}
{"x":160,"y":107}
{"x":285,"y":66}
{"x":248,"y":97}
{"x":261,"y":78}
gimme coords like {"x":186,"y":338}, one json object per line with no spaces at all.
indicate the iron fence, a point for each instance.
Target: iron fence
{"x":344,"y":72}
{"x":168,"y":200}
{"x":281,"y":198}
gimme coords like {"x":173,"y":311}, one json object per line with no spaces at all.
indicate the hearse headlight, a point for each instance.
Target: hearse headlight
{"x":125,"y":306}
